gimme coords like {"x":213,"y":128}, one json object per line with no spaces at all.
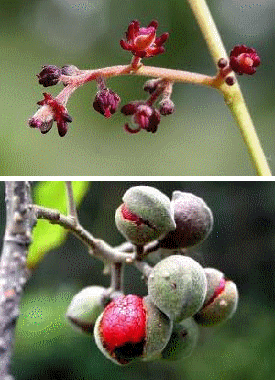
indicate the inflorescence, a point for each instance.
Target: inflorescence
{"x":142,"y":42}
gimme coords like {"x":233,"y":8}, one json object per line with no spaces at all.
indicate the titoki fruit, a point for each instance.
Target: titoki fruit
{"x":177,"y":286}
{"x":221,"y":299}
{"x":194,"y":221}
{"x":131,"y":327}
{"x":85,"y":308}
{"x":183,"y":340}
{"x":145,"y":215}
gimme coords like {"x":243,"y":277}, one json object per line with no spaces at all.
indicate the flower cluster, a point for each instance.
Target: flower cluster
{"x":144,"y":114}
{"x":142,"y":42}
{"x":243,"y":60}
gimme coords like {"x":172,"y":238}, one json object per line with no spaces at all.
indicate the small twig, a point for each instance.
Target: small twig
{"x":97,"y":247}
{"x":13,"y":270}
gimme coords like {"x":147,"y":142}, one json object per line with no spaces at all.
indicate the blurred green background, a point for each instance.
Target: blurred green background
{"x":201,"y":138}
{"x":241,"y":245}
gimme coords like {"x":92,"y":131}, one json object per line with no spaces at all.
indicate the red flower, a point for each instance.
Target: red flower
{"x":143,"y":115}
{"x":59,"y":114}
{"x":142,"y":42}
{"x":244,"y":60}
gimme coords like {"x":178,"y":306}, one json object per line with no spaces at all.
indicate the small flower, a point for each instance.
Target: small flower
{"x":142,"y":42}
{"x":51,"y":110}
{"x":143,"y":115}
{"x":49,"y":76}
{"x":244,"y":60}
{"x":106,"y":102}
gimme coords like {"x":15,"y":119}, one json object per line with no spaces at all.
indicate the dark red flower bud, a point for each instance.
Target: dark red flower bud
{"x":142,"y":42}
{"x":49,"y":76}
{"x":230,"y":81}
{"x":244,"y":60}
{"x":106,"y":102}
{"x":222,"y":63}
{"x":167,"y":107}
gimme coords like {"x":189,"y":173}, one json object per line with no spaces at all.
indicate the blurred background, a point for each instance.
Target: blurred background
{"x":201,"y":138}
{"x":241,"y":245}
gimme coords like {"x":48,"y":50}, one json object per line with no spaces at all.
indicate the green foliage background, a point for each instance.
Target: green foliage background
{"x":241,"y":245}
{"x":201,"y":138}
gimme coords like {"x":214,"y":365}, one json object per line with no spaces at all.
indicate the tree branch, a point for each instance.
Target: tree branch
{"x":13,"y":270}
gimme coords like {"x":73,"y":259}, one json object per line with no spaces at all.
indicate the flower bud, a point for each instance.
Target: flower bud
{"x":145,"y":215}
{"x":221,"y":299}
{"x":85,"y":308}
{"x":49,"y":76}
{"x":194,"y":221}
{"x":177,"y":286}
{"x":166,"y":107}
{"x":183,"y":340}
{"x":106,"y":102}
{"x":130,"y":328}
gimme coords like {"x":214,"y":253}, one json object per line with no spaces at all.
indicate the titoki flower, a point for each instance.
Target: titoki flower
{"x":51,"y":110}
{"x":244,"y":60}
{"x":106,"y":102}
{"x":142,"y":42}
{"x":144,"y":116}
{"x":49,"y":76}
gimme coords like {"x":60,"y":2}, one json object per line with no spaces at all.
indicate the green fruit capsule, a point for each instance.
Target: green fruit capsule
{"x":145,"y":215}
{"x":132,"y":328}
{"x":177,"y":286}
{"x":183,"y":340}
{"x":221,"y":299}
{"x":85,"y":308}
{"x":194,"y":221}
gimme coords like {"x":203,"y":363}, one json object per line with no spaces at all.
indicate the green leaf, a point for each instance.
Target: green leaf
{"x":47,"y":236}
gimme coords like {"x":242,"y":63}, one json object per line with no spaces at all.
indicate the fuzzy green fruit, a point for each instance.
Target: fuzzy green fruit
{"x":131,"y":328}
{"x":85,"y":308}
{"x":145,"y":215}
{"x":194,"y":221}
{"x":177,"y":286}
{"x":183,"y":340}
{"x":221,"y":299}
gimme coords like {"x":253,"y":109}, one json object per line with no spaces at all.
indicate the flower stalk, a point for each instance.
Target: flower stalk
{"x":232,"y":95}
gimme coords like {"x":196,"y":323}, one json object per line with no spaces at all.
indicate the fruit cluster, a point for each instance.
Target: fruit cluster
{"x":182,"y":295}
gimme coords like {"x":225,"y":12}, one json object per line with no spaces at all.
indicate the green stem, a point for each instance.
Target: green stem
{"x":232,"y":95}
